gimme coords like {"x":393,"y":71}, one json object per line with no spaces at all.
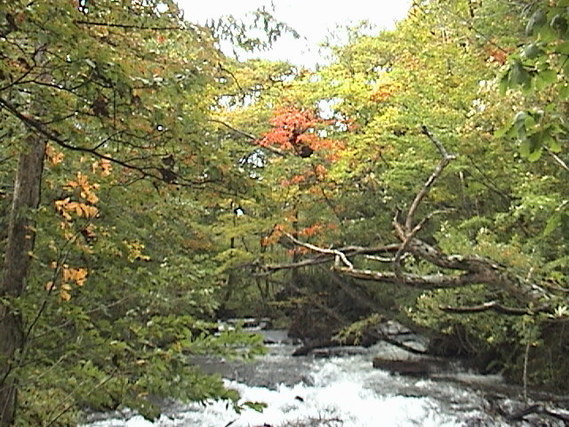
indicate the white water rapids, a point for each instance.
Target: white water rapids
{"x":337,"y":391}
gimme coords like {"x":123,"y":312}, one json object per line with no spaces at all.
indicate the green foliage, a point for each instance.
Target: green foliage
{"x":503,"y":198}
{"x":354,"y":333}
{"x":129,"y":274}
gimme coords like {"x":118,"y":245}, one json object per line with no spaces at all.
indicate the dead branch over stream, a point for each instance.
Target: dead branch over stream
{"x":451,"y":270}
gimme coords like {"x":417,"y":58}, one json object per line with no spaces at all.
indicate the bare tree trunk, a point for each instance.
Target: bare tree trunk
{"x":20,"y":243}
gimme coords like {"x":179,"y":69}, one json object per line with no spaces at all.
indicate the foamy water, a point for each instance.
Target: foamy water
{"x":340,"y":391}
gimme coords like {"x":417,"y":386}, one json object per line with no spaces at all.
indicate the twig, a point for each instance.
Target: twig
{"x":557,"y":159}
{"x":240,"y":132}
{"x":339,"y":254}
{"x":446,"y":159}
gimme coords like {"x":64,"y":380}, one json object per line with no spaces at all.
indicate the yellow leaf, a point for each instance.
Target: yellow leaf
{"x":64,"y":295}
{"x":53,"y":155}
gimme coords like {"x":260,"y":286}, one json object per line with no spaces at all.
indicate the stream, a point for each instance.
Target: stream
{"x":342,"y":389}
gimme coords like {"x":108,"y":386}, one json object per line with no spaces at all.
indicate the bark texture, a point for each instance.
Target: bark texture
{"x":17,"y":257}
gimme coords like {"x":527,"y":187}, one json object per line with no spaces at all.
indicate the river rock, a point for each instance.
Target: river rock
{"x":338,"y":351}
{"x":417,"y":368}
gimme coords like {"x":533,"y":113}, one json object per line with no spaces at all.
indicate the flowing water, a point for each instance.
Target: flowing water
{"x":342,"y":390}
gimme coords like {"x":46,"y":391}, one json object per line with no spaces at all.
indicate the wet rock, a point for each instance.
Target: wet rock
{"x":249,"y":323}
{"x":338,"y":351}
{"x":393,"y":328}
{"x":416,"y":368}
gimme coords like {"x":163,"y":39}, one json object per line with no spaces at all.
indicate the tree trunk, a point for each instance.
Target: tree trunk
{"x":20,"y":243}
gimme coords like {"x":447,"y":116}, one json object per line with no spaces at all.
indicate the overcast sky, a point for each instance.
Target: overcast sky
{"x":313,"y":19}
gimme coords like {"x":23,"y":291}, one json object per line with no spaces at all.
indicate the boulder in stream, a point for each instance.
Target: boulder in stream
{"x":411,"y":367}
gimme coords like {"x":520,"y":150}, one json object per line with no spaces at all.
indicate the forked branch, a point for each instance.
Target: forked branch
{"x":451,"y":270}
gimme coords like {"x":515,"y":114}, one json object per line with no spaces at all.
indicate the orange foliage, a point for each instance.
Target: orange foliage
{"x":53,"y":156}
{"x":69,"y":276}
{"x":297,"y":179}
{"x":299,"y":250}
{"x":274,"y":236}
{"x":383,"y":92}
{"x":312,"y":230}
{"x":103,"y":167}
{"x":497,"y":54}
{"x":320,"y":171}
{"x":294,"y":130}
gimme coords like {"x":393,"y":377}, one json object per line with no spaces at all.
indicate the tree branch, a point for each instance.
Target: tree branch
{"x":557,"y":159}
{"x":446,"y":159}
{"x":323,"y":258}
{"x":497,"y":307}
{"x":339,"y":255}
{"x":247,"y":135}
{"x":128,"y":26}
{"x":43,"y":130}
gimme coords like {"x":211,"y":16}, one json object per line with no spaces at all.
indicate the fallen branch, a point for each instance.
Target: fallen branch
{"x":497,"y":307}
{"x":322,"y":258}
{"x":339,"y":255}
{"x":461,"y":270}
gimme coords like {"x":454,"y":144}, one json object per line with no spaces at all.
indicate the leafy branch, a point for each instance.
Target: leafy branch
{"x":153,"y":172}
{"x":472,"y":269}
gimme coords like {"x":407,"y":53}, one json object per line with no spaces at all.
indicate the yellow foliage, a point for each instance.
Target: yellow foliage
{"x":64,"y":295}
{"x":77,"y":275}
{"x":103,"y":167}
{"x":66,"y":207}
{"x":69,"y":276}
{"x":53,"y":156}
{"x":86,"y":190}
{"x":135,"y":249}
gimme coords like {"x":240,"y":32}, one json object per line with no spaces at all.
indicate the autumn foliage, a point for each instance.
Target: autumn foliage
{"x":296,"y":130}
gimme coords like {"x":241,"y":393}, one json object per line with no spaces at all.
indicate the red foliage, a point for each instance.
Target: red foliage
{"x":312,"y":230}
{"x":297,"y":179}
{"x":294,"y":130}
{"x":497,"y":54}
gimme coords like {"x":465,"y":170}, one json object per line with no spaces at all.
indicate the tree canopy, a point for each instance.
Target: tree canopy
{"x":150,"y":185}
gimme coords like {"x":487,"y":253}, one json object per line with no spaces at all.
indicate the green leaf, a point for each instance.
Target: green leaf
{"x":547,"y":77}
{"x":256,"y":406}
{"x":519,"y":75}
{"x":554,"y":145}
{"x":503,"y":131}
{"x":537,"y":20}
{"x":532,"y":51}
{"x":553,"y":222}
{"x":562,"y":48}
{"x":564,"y":92}
{"x":559,"y":24}
{"x":531,"y":147}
